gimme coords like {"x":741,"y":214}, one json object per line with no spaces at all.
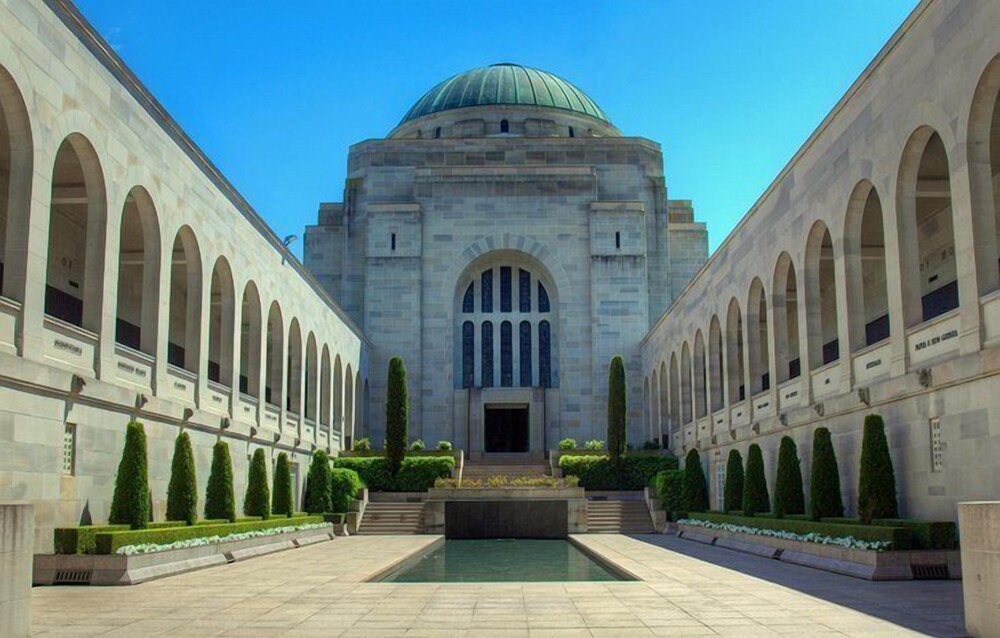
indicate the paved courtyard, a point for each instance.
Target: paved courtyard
{"x":687,"y":589}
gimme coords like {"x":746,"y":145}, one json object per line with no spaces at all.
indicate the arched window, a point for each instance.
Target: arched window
{"x":250,"y":341}
{"x":469,"y":300}
{"x":664,"y":393}
{"x":486,"y":287}
{"x":506,"y":355}
{"x":786,"y":319}
{"x":437,"y":133}
{"x":544,"y":355}
{"x":686,"y":413}
{"x":572,"y":133}
{"x":312,"y":378}
{"x":504,"y":126}
{"x":821,"y":300}
{"x":675,"y":394}
{"x":138,"y":274}
{"x":487,"y":355}
{"x":760,"y":378}
{"x":715,"y":364}
{"x":293,"y":381}
{"x":524,"y":339}
{"x":184,"y":333}
{"x":984,"y":175}
{"x":348,"y":404}
{"x":468,"y":354}
{"x":543,"y":298}
{"x":864,"y":260}
{"x":75,"y":273}
{"x":16,"y":161}
{"x":220,"y":324}
{"x":324,"y":388}
{"x":275,"y":351}
{"x":338,"y":399}
{"x":359,"y":405}
{"x":734,"y":354}
{"x":700,"y":377}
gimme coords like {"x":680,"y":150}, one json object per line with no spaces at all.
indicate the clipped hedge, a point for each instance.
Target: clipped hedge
{"x":109,"y":542}
{"x":669,"y":486}
{"x":318,"y":487}
{"x":899,"y":537}
{"x":182,"y":492}
{"x":345,"y":484}
{"x":282,"y":499}
{"x":925,"y":534}
{"x":81,"y":540}
{"x":417,"y":473}
{"x":695,"y":485}
{"x":130,"y":502}
{"x":597,"y":473}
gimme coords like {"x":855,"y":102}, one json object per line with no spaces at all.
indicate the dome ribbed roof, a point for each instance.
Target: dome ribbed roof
{"x":504,"y":84}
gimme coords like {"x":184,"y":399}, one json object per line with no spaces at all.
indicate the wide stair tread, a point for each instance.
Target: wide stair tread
{"x":619,"y":517}
{"x":392,"y":518}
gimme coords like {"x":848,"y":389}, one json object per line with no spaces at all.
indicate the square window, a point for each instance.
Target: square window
{"x":69,"y":449}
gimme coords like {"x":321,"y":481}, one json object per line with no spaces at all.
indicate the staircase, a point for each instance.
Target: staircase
{"x":392,"y":518}
{"x":618,"y":517}
{"x":510,"y":465}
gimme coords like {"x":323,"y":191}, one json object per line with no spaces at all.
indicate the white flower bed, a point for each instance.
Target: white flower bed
{"x":812,"y":537}
{"x":148,"y":548}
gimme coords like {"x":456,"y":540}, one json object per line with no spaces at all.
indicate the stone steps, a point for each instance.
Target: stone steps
{"x":392,"y":518}
{"x":618,"y":517}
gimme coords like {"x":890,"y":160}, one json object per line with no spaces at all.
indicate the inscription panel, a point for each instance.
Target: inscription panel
{"x":70,"y":346}
{"x":934,"y":341}
{"x":826,"y":381}
{"x":872,"y":364}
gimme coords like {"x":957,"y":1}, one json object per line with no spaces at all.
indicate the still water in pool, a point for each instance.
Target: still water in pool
{"x":501,"y":560}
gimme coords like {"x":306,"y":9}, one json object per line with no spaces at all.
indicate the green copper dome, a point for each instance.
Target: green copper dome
{"x":504,"y":84}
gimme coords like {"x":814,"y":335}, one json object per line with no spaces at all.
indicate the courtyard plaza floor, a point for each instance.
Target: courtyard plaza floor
{"x":686,"y":589}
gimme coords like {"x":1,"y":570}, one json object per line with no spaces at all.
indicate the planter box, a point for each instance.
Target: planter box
{"x":116,"y":569}
{"x":860,"y":563}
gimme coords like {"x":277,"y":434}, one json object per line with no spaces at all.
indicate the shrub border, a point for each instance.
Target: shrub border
{"x":109,"y":542}
{"x":899,"y":538}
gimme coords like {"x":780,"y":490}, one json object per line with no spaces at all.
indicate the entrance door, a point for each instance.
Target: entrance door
{"x":506,"y":430}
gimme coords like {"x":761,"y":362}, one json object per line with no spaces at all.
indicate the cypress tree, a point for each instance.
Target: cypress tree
{"x":755,"y":496}
{"x":788,"y":494}
{"x":695,"y":488}
{"x":825,"y":500}
{"x":182,"y":492}
{"x":282,"y":502}
{"x":877,"y":485}
{"x":130,"y":503}
{"x":397,"y":407}
{"x":220,"y":502}
{"x":318,"y":490}
{"x":257,"y":501}
{"x":617,"y":411}
{"x":734,"y":482}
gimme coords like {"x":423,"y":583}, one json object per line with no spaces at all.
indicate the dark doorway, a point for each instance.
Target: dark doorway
{"x":506,"y":430}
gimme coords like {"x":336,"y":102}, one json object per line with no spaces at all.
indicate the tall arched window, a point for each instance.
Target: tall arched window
{"x":686,"y":413}
{"x":250,"y":341}
{"x":488,"y":351}
{"x":293,"y":402}
{"x":700,"y":377}
{"x":734,"y":354}
{"x":220,"y":324}
{"x":138,"y":273}
{"x":675,"y":394}
{"x":184,"y":333}
{"x":984,"y":175}
{"x":760,"y":378}
{"x":504,"y":126}
{"x":16,"y":149}
{"x":275,"y":351}
{"x":715,"y":364}
{"x":864,"y":260}
{"x":312,"y":378}
{"x":325,"y":381}
{"x":821,"y":299}
{"x":786,"y":319}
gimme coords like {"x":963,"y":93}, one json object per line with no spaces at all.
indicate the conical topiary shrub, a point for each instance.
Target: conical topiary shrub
{"x":825,"y":500}
{"x":282,"y":500}
{"x":220,"y":502}
{"x":877,"y":485}
{"x":788,"y":495}
{"x":130,"y":503}
{"x":755,"y":496}
{"x":617,"y":411}
{"x":733,"y":495}
{"x":318,"y":494}
{"x":257,"y":501}
{"x":397,"y":407}
{"x":182,"y":492}
{"x":695,"y":488}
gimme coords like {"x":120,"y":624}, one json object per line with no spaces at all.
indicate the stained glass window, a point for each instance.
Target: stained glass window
{"x":544,"y":355}
{"x":524,"y":290}
{"x":506,"y":355}
{"x":486,"y":304}
{"x":468,"y":302}
{"x":487,"y":345}
{"x":543,"y":298}
{"x":505,"y":289}
{"x":525,"y":338}
{"x":468,"y":354}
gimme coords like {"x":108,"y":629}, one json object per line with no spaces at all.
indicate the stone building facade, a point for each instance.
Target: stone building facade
{"x":506,"y":240}
{"x":864,"y":280}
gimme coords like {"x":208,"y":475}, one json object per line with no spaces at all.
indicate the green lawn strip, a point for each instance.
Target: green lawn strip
{"x":899,"y":537}
{"x":109,"y":542}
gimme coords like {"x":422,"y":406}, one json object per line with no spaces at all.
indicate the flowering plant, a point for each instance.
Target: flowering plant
{"x":148,"y":548}
{"x":812,"y":537}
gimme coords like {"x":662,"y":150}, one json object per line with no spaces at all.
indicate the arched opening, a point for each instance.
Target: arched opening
{"x":312,"y":379}
{"x":184,"y":332}
{"x":338,"y":398}
{"x":275,"y":350}
{"x":349,"y":404}
{"x":984,"y":175}
{"x":686,"y":412}
{"x":734,"y":353}
{"x":293,"y":380}
{"x":675,"y":394}
{"x":647,"y":406}
{"x":75,"y":273}
{"x":926,"y":224}
{"x":654,"y":406}
{"x":786,"y":320}
{"x":760,"y":362}
{"x":16,"y":159}
{"x":325,"y":380}
{"x":664,"y":425}
{"x":250,"y":341}
{"x":504,"y":126}
{"x":359,"y":405}
{"x":366,"y":412}
{"x":221,"y":324}
{"x":138,"y":274}
{"x":717,"y":399}
{"x":700,"y":377}
{"x":864,"y":258}
{"x":821,"y":298}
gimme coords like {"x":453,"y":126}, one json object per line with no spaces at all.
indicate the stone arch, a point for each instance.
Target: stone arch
{"x":758,"y":338}
{"x":250,"y":339}
{"x":311,"y":380}
{"x":349,"y":405}
{"x":735,"y":372}
{"x":700,"y":377}
{"x":325,"y":381}
{"x":983,"y":149}
{"x":338,"y":398}
{"x":293,"y":381}
{"x":16,"y":169}
{"x":664,"y":391}
{"x":221,"y":328}
{"x":647,"y":403}
{"x":184,"y":321}
{"x":687,"y":414}
{"x":275,"y":352}
{"x":717,"y":399}
{"x":675,"y":394}
{"x":138,"y":293}
{"x":821,"y":297}
{"x":785,"y":300}
{"x":77,"y":227}
{"x":865,"y":268}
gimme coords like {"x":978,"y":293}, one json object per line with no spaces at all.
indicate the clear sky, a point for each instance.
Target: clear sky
{"x":275,"y":92}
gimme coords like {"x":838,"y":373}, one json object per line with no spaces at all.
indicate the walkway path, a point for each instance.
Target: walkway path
{"x":319,"y":591}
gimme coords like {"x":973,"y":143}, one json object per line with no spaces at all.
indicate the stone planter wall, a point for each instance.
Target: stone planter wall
{"x":979,"y":527}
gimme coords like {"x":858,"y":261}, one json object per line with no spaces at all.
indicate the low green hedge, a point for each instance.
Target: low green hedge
{"x":345,"y":484}
{"x":417,"y":474}
{"x":926,"y":534}
{"x":83,"y":539}
{"x":109,"y":542}
{"x":899,"y":537}
{"x":596,"y":472}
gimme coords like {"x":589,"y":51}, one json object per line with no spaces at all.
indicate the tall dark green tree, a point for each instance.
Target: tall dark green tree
{"x":318,"y":494}
{"x":130,"y":503}
{"x":755,"y":496}
{"x":788,"y":495}
{"x":733,"y":495}
{"x":397,"y":408}
{"x":282,"y":499}
{"x":220,"y":502}
{"x":877,"y":484}
{"x":825,"y":499}
{"x":257,"y":501}
{"x":617,"y":411}
{"x":182,"y":492}
{"x":695,"y":487}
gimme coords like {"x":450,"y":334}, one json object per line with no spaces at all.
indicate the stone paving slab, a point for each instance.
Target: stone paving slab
{"x":320,"y":590}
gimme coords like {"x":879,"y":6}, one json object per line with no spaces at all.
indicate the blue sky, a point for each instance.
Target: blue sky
{"x":275,"y":92}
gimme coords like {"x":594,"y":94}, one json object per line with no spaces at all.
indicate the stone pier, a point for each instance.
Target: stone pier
{"x":17,"y":530}
{"x":979,"y":530}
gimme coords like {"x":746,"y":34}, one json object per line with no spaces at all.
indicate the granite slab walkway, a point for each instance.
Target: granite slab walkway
{"x":320,"y":590}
